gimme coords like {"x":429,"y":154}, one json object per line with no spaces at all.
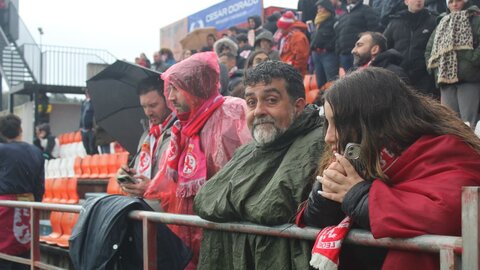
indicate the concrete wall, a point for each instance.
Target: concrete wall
{"x":64,"y":118}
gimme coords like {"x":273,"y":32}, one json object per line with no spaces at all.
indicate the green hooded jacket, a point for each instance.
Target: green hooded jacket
{"x":262,"y":185}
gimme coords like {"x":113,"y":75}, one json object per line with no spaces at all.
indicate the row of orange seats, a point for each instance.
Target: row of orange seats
{"x":99,"y":166}
{"x":61,"y":190}
{"x":70,"y":137}
{"x":312,"y":90}
{"x":62,"y":225}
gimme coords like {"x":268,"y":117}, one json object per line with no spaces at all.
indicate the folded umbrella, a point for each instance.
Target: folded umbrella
{"x":117,"y":108}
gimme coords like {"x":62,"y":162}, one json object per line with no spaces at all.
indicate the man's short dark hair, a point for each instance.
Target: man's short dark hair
{"x":377,"y":39}
{"x":10,"y":126}
{"x":269,"y":70}
{"x":152,"y":83}
{"x":242,"y":37}
{"x":44,"y":127}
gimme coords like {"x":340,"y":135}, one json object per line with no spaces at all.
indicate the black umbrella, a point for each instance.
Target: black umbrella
{"x":116,"y":103}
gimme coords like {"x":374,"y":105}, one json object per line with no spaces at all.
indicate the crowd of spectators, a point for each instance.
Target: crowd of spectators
{"x":327,"y":38}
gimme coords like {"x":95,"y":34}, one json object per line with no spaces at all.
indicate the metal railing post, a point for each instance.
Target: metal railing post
{"x":470,"y":228}
{"x":149,"y":233}
{"x":34,"y":243}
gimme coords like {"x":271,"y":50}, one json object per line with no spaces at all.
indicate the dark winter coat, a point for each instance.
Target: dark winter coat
{"x":359,"y":19}
{"x":105,"y":238}
{"x":324,"y":36}
{"x":408,"y":33}
{"x":391,"y":59}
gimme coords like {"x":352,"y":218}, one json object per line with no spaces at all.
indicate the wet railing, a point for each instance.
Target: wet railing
{"x":455,"y":252}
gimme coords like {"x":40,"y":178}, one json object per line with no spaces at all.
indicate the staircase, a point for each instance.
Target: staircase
{"x":23,"y":63}
{"x":13,"y":66}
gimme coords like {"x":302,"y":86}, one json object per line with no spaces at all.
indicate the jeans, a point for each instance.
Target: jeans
{"x":326,"y":67}
{"x":346,"y":61}
{"x":88,"y":140}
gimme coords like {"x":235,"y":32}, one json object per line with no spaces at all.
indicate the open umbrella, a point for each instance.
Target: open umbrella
{"x":116,"y":103}
{"x":197,"y":39}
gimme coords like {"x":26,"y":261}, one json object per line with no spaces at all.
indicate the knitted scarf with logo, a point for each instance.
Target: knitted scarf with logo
{"x":186,"y":162}
{"x":326,"y":251}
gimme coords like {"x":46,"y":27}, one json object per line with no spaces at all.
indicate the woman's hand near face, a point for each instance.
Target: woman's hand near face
{"x":338,"y":179}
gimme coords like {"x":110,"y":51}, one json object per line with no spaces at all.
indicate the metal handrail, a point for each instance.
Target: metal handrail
{"x":449,"y":247}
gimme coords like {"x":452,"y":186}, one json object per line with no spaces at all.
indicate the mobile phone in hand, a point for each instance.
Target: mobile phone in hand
{"x":352,"y":153}
{"x":126,"y":179}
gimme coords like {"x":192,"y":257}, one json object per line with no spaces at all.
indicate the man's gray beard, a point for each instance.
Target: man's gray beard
{"x":269,"y":132}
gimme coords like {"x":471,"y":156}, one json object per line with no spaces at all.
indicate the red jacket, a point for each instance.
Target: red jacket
{"x":296,"y":48}
{"x":424,"y":196}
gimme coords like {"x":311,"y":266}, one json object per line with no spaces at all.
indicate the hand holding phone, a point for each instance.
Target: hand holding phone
{"x":126,"y":177}
{"x":352,"y":153}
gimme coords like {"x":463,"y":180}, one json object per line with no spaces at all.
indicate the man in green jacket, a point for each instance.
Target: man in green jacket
{"x":266,"y":180}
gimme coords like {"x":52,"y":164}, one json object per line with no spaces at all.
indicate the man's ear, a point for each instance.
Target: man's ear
{"x":375,"y":50}
{"x":300,"y":105}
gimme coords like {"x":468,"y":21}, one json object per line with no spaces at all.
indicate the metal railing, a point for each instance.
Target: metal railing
{"x":455,"y":252}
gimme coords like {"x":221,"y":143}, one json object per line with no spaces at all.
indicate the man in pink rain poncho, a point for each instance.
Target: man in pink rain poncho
{"x":210,"y":128}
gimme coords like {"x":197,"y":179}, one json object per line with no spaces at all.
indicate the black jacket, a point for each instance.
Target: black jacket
{"x":105,"y":238}
{"x":408,"y":33}
{"x":324,"y":36}
{"x":321,"y":212}
{"x":391,"y":59}
{"x":361,"y":18}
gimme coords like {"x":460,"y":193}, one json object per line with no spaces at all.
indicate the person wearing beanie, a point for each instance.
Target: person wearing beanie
{"x":323,"y":43}
{"x":294,"y":45}
{"x":265,"y":42}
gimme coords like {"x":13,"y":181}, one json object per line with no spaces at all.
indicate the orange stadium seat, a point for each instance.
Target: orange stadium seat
{"x":94,"y":166}
{"x":77,"y":167}
{"x":56,"y":190}
{"x":47,"y":197}
{"x":86,"y":171}
{"x":77,"y":136}
{"x":55,"y":221}
{"x":72,"y":190}
{"x":67,"y":223}
{"x":112,"y":165}
{"x":63,"y":190}
{"x":103,"y":166}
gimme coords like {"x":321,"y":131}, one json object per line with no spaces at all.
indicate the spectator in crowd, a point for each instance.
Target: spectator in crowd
{"x":187,"y":53}
{"x":232,"y":31}
{"x":307,"y":9}
{"x":235,"y":75}
{"x":154,"y":140}
{"x":87,"y":124}
{"x":408,"y":33}
{"x":167,"y":57}
{"x":211,"y":38}
{"x":323,"y":43}
{"x":210,"y":128}
{"x":267,"y":179}
{"x":244,"y":49}
{"x":46,"y":142}
{"x":225,"y":45}
{"x":404,"y":189}
{"x":144,"y":59}
{"x":358,"y":18}
{"x":294,"y":45}
{"x":257,"y":57}
{"x":340,"y":7}
{"x":265,"y":42}
{"x":255,"y":23}
{"x":21,"y":179}
{"x":158,"y":64}
{"x":453,"y":54}
{"x":271,"y":23}
{"x":371,"y":50}
{"x":44,"y":108}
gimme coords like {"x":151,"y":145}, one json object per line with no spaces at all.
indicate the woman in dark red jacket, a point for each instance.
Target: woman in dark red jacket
{"x":415,"y":156}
